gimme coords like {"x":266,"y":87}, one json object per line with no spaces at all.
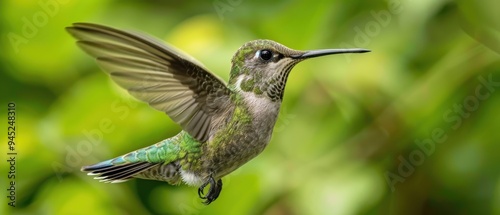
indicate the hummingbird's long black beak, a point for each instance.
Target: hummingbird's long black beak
{"x":322,"y":52}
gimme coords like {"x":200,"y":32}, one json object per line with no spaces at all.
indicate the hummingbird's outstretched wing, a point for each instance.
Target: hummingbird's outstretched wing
{"x":157,"y":74}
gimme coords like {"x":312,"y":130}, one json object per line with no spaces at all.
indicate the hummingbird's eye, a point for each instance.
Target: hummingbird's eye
{"x":265,"y":54}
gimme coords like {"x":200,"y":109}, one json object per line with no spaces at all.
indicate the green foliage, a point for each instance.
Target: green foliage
{"x":410,"y":128}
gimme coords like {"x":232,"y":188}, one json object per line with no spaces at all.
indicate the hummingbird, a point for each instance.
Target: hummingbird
{"x":223,"y":125}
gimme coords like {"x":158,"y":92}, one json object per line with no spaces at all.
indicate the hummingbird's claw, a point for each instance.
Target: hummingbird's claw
{"x":200,"y":191}
{"x":213,"y":191}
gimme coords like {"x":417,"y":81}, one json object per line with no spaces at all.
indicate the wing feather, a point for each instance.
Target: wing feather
{"x":158,"y":74}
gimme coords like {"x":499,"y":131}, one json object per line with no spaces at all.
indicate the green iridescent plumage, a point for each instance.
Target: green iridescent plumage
{"x":224,"y":126}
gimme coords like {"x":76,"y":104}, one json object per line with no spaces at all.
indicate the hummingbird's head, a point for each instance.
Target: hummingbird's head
{"x":263,"y":66}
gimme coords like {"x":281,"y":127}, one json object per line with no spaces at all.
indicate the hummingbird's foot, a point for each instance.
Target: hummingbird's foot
{"x":213,"y":191}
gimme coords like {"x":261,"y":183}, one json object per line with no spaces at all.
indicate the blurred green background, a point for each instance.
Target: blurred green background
{"x":410,"y":128}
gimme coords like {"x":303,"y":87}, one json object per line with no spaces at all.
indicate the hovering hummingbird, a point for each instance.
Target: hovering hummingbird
{"x":224,"y":125}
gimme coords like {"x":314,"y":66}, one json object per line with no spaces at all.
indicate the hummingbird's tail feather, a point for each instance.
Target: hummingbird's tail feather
{"x":106,"y":171}
{"x":156,"y":162}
